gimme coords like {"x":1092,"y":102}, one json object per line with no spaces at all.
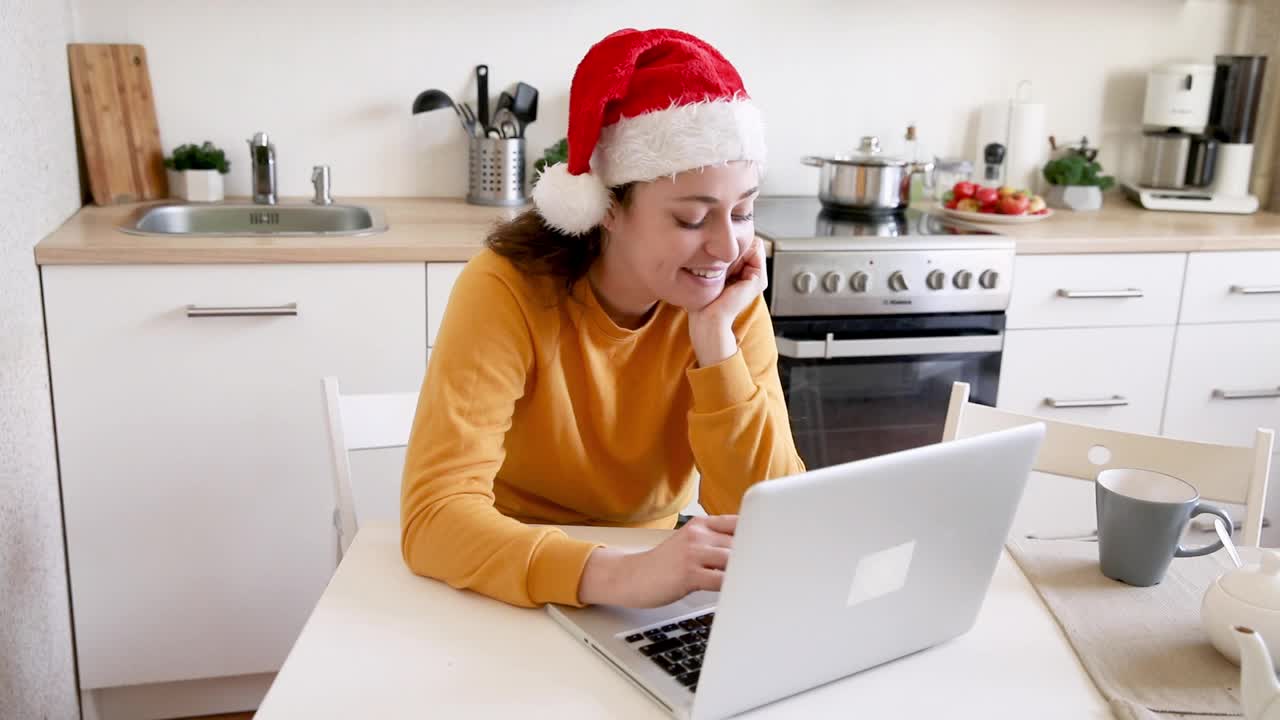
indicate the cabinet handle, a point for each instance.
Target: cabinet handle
{"x":1089,"y":294}
{"x":1113,"y":401}
{"x":1247,"y":394}
{"x":1256,"y":289}
{"x":203,"y":311}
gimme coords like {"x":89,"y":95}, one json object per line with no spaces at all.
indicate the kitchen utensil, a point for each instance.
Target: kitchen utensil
{"x":525,"y":104}
{"x":482,"y":96}
{"x":992,"y":218}
{"x":1225,"y":537}
{"x":116,"y":118}
{"x":1248,"y":596}
{"x":432,"y":99}
{"x":865,"y":181}
{"x":469,"y":120}
{"x":506,"y":123}
{"x":505,"y":100}
{"x":1141,"y":517}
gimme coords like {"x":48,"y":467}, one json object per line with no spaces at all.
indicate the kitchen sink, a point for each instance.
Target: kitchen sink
{"x":254,"y":219}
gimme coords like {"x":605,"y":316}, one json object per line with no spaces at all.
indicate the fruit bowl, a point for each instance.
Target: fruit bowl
{"x":994,"y":218}
{"x":998,"y":205}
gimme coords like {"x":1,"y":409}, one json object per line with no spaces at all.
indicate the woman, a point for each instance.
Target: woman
{"x":606,"y":346}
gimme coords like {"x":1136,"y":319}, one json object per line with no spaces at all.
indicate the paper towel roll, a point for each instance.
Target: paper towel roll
{"x":1028,"y":147}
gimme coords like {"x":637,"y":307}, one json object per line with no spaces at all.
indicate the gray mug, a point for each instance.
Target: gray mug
{"x":1141,"y":516}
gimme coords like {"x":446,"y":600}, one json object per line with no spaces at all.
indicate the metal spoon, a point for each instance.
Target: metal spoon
{"x":1087,"y":537}
{"x":1225,"y":537}
{"x":429,"y":100}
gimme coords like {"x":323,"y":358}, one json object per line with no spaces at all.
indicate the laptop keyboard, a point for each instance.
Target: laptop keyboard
{"x":677,"y":647}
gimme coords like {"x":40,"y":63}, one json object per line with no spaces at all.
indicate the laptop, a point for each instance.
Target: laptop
{"x":833,"y":571}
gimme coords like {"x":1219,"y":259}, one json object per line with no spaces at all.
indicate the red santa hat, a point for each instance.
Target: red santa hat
{"x":645,"y":104}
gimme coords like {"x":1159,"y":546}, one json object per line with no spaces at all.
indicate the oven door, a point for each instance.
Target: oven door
{"x":861,"y":387}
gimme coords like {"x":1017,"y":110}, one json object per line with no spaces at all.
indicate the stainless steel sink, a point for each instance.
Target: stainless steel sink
{"x":254,"y":219}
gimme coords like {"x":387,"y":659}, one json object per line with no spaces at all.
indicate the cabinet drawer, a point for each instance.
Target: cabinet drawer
{"x":1224,"y":382}
{"x":1096,"y":290}
{"x":196,"y":478}
{"x":1109,"y":377}
{"x":1232,"y":287}
{"x":440,"y":280}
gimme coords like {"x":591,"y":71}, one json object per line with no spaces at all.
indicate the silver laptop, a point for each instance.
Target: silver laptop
{"x":833,"y":571}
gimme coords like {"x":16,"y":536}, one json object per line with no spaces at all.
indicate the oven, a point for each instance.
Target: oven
{"x":857,"y":387}
{"x":875,"y":319}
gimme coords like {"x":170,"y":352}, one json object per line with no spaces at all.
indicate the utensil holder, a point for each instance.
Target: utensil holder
{"x":497,"y":171}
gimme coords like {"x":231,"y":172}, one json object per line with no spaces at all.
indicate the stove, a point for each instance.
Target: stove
{"x":874,"y":319}
{"x":909,"y":262}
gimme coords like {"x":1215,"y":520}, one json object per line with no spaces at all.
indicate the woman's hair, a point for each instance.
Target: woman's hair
{"x":538,"y":249}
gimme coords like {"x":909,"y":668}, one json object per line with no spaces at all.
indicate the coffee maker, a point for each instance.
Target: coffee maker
{"x":1197,"y":146}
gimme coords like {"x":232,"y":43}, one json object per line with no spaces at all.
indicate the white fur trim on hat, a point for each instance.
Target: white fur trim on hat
{"x":572,"y":204}
{"x":681,"y":137}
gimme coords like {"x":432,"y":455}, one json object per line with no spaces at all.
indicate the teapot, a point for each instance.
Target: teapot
{"x":1247,"y":597}
{"x":1259,"y":690}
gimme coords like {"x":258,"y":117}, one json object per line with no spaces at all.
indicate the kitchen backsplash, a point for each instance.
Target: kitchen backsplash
{"x":333,"y":82}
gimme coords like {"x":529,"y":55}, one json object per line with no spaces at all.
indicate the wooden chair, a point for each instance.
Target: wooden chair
{"x":1223,"y":473}
{"x":362,"y":422}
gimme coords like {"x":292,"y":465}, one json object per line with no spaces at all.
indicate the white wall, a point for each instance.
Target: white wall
{"x":333,"y":81}
{"x":38,"y":190}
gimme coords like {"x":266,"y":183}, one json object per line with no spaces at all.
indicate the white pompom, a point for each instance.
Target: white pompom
{"x":572,"y":204}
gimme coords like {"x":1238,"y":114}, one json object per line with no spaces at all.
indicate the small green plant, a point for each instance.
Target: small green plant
{"x":557,"y":153}
{"x":198,"y":157}
{"x":1074,"y":168}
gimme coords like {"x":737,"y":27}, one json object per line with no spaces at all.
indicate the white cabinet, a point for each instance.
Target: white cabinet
{"x":1096,"y":290}
{"x":1232,"y":287}
{"x":1225,"y":382}
{"x":1108,"y":377}
{"x":440,"y":280}
{"x":196,"y":480}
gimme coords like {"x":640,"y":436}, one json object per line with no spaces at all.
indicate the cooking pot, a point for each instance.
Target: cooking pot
{"x":866,"y":181}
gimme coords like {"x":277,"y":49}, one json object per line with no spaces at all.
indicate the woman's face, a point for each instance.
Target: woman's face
{"x":679,"y":239}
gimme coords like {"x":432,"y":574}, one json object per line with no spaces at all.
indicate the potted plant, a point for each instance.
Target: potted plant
{"x":1075,"y":182}
{"x":195,"y":172}
{"x":556,"y":153}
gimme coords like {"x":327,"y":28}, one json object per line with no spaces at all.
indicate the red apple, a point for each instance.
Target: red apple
{"x":1015,"y":204}
{"x":986,"y":195}
{"x":988,"y":208}
{"x":964,"y":189}
{"x":951,"y":204}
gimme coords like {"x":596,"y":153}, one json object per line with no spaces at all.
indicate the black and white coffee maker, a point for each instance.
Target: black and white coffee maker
{"x":1198,"y":126}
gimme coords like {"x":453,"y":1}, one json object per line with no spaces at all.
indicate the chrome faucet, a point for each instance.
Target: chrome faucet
{"x":262,"y":158}
{"x":320,"y":181}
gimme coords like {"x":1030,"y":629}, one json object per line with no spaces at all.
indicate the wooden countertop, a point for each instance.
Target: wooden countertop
{"x":448,"y":229}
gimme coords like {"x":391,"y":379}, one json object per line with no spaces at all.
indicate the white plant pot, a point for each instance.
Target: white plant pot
{"x":196,"y":185}
{"x":1073,"y":197}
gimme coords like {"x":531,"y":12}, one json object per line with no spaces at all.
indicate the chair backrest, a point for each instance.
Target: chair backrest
{"x":361,"y":422}
{"x":1219,"y":472}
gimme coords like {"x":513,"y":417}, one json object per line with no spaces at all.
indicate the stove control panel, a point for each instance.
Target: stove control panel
{"x":890,"y":282}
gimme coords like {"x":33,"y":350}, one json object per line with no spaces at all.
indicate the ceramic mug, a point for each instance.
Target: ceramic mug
{"x":1141,"y":516}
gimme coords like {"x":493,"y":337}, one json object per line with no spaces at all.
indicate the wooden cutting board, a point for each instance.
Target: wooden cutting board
{"x":116,"y":116}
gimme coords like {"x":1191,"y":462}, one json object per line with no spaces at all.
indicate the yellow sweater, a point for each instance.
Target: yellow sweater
{"x":540,"y":409}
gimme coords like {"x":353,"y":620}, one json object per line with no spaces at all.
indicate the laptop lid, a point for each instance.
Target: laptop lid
{"x":850,"y":566}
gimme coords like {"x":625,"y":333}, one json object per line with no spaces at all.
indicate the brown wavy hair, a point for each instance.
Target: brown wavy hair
{"x":538,"y":249}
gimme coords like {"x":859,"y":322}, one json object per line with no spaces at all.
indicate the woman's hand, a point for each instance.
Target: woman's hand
{"x":693,"y":558}
{"x":711,"y":328}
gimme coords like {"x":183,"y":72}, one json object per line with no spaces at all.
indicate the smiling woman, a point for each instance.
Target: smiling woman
{"x":607,"y":348}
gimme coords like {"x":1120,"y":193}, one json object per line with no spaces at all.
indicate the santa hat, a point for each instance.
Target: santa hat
{"x":645,"y":104}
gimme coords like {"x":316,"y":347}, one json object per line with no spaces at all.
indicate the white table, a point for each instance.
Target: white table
{"x":384,"y":643}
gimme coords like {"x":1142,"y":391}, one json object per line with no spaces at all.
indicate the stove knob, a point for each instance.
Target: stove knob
{"x":897,"y":282}
{"x":936,"y":280}
{"x":988,"y":279}
{"x":804,"y":282}
{"x":962,"y":279}
{"x":859,"y":281}
{"x":832,"y":281}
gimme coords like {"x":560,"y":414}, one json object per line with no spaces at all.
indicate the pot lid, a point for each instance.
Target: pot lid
{"x":868,"y":153}
{"x":1258,"y":586}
